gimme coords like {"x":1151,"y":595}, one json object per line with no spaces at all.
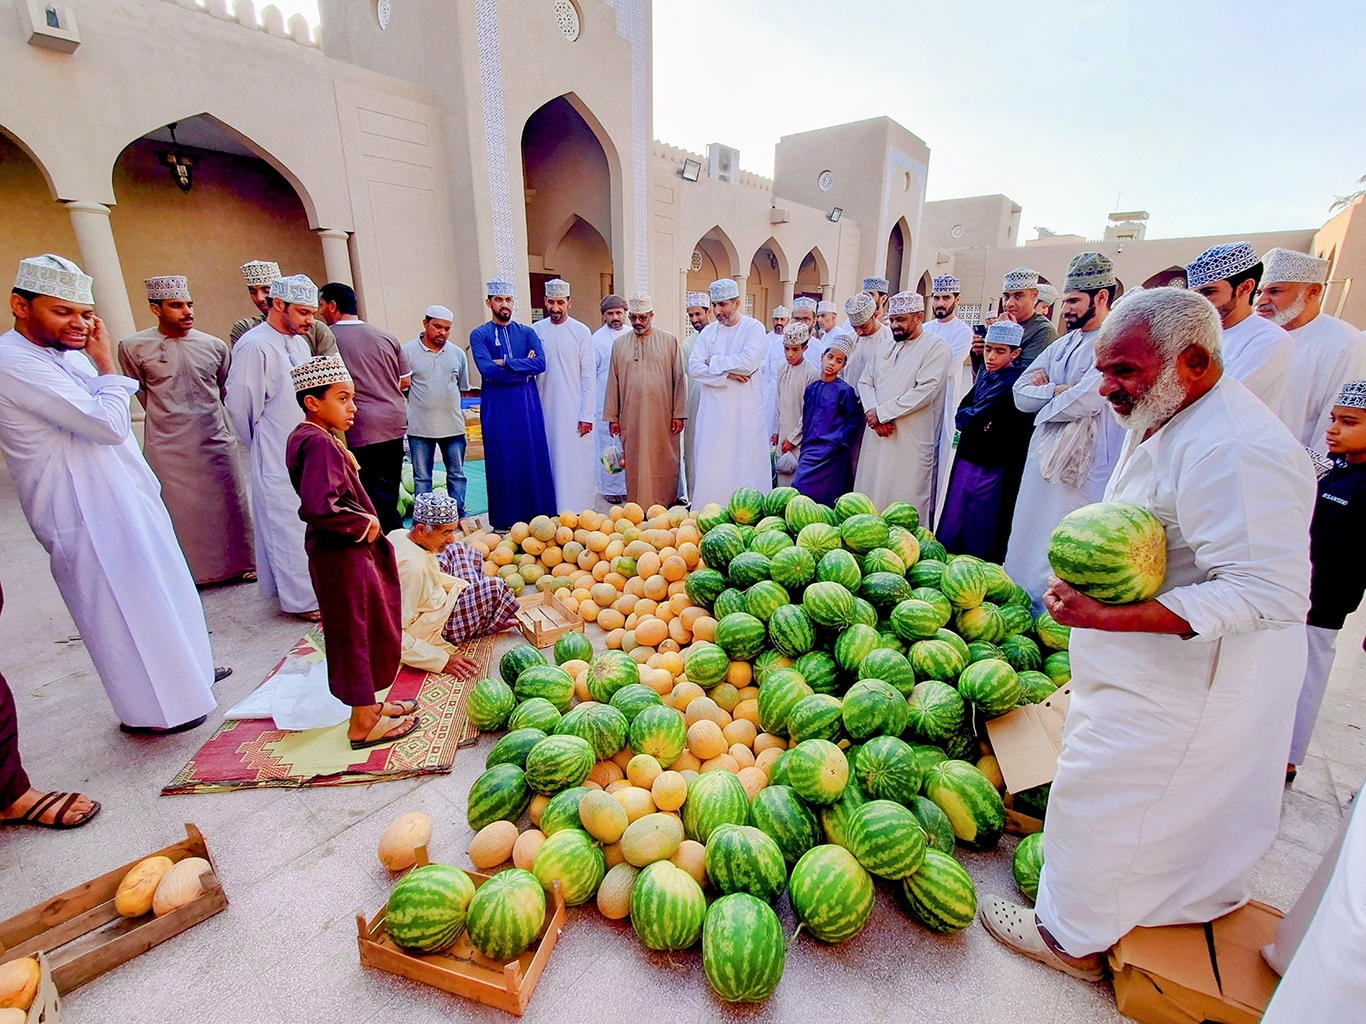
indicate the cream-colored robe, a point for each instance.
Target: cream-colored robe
{"x":428,"y":597}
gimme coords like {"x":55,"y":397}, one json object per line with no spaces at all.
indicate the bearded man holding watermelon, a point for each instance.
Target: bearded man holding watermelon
{"x":1168,"y":787}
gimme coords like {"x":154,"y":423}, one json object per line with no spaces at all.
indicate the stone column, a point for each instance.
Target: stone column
{"x":336,"y":256}
{"x":740,"y":280}
{"x":604,"y":285}
{"x":827,"y":293}
{"x":100,"y":259}
{"x":789,"y":291}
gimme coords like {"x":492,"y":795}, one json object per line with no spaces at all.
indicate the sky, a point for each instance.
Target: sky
{"x":1215,"y":116}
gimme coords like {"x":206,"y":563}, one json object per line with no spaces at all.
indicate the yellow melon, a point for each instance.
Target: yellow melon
{"x":991,"y":768}
{"x":669,"y":791}
{"x":618,"y":786}
{"x":691,"y":856}
{"x":687,"y":761}
{"x":753,"y":779}
{"x":705,"y":738}
{"x":766,"y":740}
{"x":642,"y":770}
{"x":741,"y":730}
{"x":605,"y":773}
{"x":538,"y":803}
{"x":705,"y":708}
{"x":764,"y":759}
{"x":742,"y":755}
{"x":750,"y":692}
{"x":180,"y":885}
{"x":614,"y":638}
{"x":134,"y":895}
{"x":704,"y":628}
{"x":720,"y":763}
{"x":684,"y":694}
{"x":614,"y":893}
{"x":670,"y":645}
{"x":581,"y":686}
{"x":610,"y":618}
{"x":603,"y":816}
{"x":637,"y":802}
{"x":589,"y":611}
{"x":493,"y":844}
{"x":622,"y":758}
{"x":19,"y":980}
{"x":13,"y":1015}
{"x":652,"y":632}
{"x":525,"y":848}
{"x":650,"y":838}
{"x":612,"y":853}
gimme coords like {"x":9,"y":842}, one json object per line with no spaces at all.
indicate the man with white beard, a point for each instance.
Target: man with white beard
{"x":944,"y":303}
{"x":1328,"y":352}
{"x":568,"y":397}
{"x":1169,"y":782}
{"x":611,"y":486}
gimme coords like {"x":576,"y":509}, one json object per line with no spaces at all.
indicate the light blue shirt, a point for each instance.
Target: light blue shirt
{"x":438,"y":378}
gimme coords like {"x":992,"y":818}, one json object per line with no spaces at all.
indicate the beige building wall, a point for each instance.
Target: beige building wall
{"x":1342,"y":241}
{"x":32,"y":222}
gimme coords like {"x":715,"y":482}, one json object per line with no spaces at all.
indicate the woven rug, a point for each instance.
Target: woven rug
{"x":253,"y":754}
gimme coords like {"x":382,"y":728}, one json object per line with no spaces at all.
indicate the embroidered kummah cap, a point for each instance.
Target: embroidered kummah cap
{"x":435,"y":508}
{"x":825,"y":306}
{"x":796,"y":333}
{"x":502,"y":287}
{"x":860,"y":309}
{"x":439,"y":313}
{"x":698,"y":300}
{"x":947,"y":284}
{"x":1047,"y":294}
{"x":780,"y":313}
{"x":296,"y":290}
{"x":557,"y":288}
{"x":1219,"y":263}
{"x":905,"y":302}
{"x":1353,"y":395}
{"x":877,"y":284}
{"x":724,"y":289}
{"x":1020,"y":278}
{"x":1005,"y":332}
{"x":318,"y":372}
{"x":260,"y":272}
{"x":1286,"y":266}
{"x":803,"y":302}
{"x":842,"y":343}
{"x":159,"y":289}
{"x":640,"y":304}
{"x":57,"y":277}
{"x":1089,"y":272}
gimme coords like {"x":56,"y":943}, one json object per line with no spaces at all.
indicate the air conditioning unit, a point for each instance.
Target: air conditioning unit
{"x":723,"y":163}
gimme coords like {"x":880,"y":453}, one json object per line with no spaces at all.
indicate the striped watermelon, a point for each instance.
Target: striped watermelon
{"x":991,"y":685}
{"x":714,"y":798}
{"x":779,"y":813}
{"x":835,"y":817}
{"x":863,"y":532}
{"x":741,"y":636}
{"x":932,"y":549}
{"x":1022,"y":653}
{"x":914,"y":620}
{"x":667,"y":907}
{"x":777,"y":771}
{"x":964,"y":583}
{"x":711,"y":516}
{"x":792,"y":567}
{"x":743,"y":949}
{"x":1020,"y":597}
{"x":426,"y":910}
{"x":886,"y":838}
{"x":962,"y":745}
{"x":490,"y":702}
{"x":514,"y":746}
{"x":981,"y":650}
{"x":852,"y":504}
{"x":703,"y":586}
{"x":506,"y":914}
{"x":936,"y":712}
{"x":819,"y":539}
{"x":768,"y":542}
{"x":985,"y":622}
{"x":817,"y":771}
{"x":706,"y":664}
{"x":839,"y":566}
{"x":801,"y":512}
{"x":873,"y":707}
{"x":660,"y":732}
{"x":573,"y":646}
{"x":548,"y":681}
{"x":941,"y":895}
{"x":864,"y":613}
{"x":778,"y":695}
{"x":924,"y":756}
{"x":905,"y":545}
{"x":1000,"y":587}
{"x":558,"y":762}
{"x":500,"y":794}
{"x":1027,"y":864}
{"x":891,"y":642}
{"x":883,"y":590}
{"x":887,"y":769}
{"x":769,"y":662}
{"x":903,"y":514}
{"x":765,"y":598}
{"x":720,"y":544}
{"x":728,"y":602}
{"x":603,"y":726}
{"x":748,"y":568}
{"x":742,"y":858}
{"x":518,"y":660}
{"x":832,"y":895}
{"x":928,"y":572}
{"x":1033,"y":801}
{"x":1111,"y":551}
{"x":790,"y":630}
{"x":571,"y":858}
{"x":937,"y":659}
{"x":563,"y":810}
{"x":775,"y":501}
{"x":536,"y":713}
{"x":970,"y":800}
{"x":771,"y":524}
{"x":1035,"y":687}
{"x":819,"y":716}
{"x":829,"y":604}
{"x":884,"y":560}
{"x":937,"y":600}
{"x":633,"y":699}
{"x":889,"y":666}
{"x":746,"y":505}
{"x":1051,"y":634}
{"x":938,"y":828}
{"x":854,"y":644}
{"x":956,"y":642}
{"x":1058,"y":667}
{"x":1017,"y":619}
{"x":819,"y":670}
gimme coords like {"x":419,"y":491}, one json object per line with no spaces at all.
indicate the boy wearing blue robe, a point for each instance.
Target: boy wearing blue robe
{"x":832,"y":421}
{"x":516,"y":456}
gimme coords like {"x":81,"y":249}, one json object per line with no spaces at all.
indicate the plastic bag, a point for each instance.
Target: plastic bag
{"x":613,"y":457}
{"x":296,"y":700}
{"x":787,"y":462}
{"x":1068,"y":450}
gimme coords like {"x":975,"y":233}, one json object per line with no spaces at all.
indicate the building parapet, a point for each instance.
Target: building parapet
{"x":271,"y":20}
{"x":676,"y":155}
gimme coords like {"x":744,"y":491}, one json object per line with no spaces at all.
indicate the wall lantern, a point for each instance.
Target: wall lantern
{"x":181,"y":164}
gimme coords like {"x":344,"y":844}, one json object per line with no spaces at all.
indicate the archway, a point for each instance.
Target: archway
{"x":925,"y":287}
{"x":897,"y":243}
{"x":1172,"y":277}
{"x":238,"y":207}
{"x":712,"y":258}
{"x":568,"y":198}
{"x":813,"y":276}
{"x":768,"y":269}
{"x":34,"y":223}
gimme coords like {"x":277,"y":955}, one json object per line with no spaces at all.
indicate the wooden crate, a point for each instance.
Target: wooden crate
{"x":462,"y":970}
{"x":83,"y":935}
{"x":473,"y":526}
{"x":544,"y":618}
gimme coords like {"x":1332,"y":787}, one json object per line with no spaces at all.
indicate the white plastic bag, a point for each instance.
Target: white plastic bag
{"x":1068,"y":453}
{"x":296,"y":700}
{"x":787,"y":462}
{"x":613,"y":457}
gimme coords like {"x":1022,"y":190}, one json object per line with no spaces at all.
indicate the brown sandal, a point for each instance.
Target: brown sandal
{"x":377,"y":735}
{"x":45,"y":803}
{"x":409,"y":706}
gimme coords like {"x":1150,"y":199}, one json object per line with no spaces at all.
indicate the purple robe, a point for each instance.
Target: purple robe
{"x":521,"y":485}
{"x":832,"y":420}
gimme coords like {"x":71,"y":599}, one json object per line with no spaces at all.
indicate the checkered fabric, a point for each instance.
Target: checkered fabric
{"x":487,"y":606}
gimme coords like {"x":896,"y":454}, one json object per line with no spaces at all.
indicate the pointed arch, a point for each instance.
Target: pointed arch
{"x":28,"y":151}
{"x":783,"y":267}
{"x":718,"y":238}
{"x":898,"y":260}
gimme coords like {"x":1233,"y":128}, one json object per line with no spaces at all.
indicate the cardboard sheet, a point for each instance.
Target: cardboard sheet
{"x":1027,"y":740}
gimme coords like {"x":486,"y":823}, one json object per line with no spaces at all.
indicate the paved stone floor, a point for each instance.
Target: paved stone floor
{"x":297,"y":864}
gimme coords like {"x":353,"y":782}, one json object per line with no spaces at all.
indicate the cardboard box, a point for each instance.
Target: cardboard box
{"x":47,"y":1004}
{"x":1189,"y":973}
{"x":1026,"y":742}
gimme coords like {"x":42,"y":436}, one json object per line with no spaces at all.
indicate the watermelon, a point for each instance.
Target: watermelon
{"x":904,"y":544}
{"x":790,"y":630}
{"x":839,"y":566}
{"x":970,"y":800}
{"x":603,"y":726}
{"x":742,"y":858}
{"x":956,"y":642}
{"x":741,"y":636}
{"x":863,"y":531}
{"x":571,"y":858}
{"x":855,"y":644}
{"x":720,"y":544}
{"x":937,"y":600}
{"x":902,"y":514}
{"x":711,"y":516}
{"x":991,"y":685}
{"x":817,"y":771}
{"x":1033,"y":801}
{"x":777,"y":771}
{"x":743,"y":948}
{"x":829,"y":604}
{"x":609,"y":672}
{"x":938,"y":828}
{"x":914,"y":620}
{"x":778,"y":695}
{"x":933,"y":550}
{"x":660,"y":732}
{"x":889,"y":666}
{"x":891,"y":642}
{"x":728,"y":602}
{"x":1017,"y":619}
{"x":1058,"y":667}
{"x":886,"y":769}
{"x":746,"y":506}
{"x":886,"y":838}
{"x":1035,"y":687}
{"x":851,"y":504}
{"x":1000,"y":587}
{"x":573,"y":646}
{"x":513,"y":747}
{"x":764,"y":598}
{"x":964,"y":583}
{"x":559,"y":762}
{"x":874,"y":707}
{"x":801,"y":512}
{"x":962,"y":745}
{"x":1050,"y":633}
{"x":768,"y":662}
{"x":500,"y":794}
{"x":1019,"y":597}
{"x":937,"y":659}
{"x":818,"y":716}
{"x":832,"y":895}
{"x":548,"y":681}
{"x":703,"y":586}
{"x":819,"y":539}
{"x":928,"y":572}
{"x":779,"y":813}
{"x":981,"y":650}
{"x":835,"y":817}
{"x":1111,"y":551}
{"x":518,"y":660}
{"x":819,"y":670}
{"x":883,"y":590}
{"x":713,"y":799}
{"x":506,"y":914}
{"x":426,"y":910}
{"x":1027,"y":864}
{"x":706,"y":664}
{"x":792,"y":567}
{"x":884,"y":560}
{"x":985,"y":622}
{"x":563,"y":810}
{"x":941,"y":895}
{"x":864,"y":613}
{"x":924,"y":756}
{"x":768,"y":542}
{"x":536,"y":713}
{"x":634,"y":698}
{"x":936,"y":712}
{"x":748,"y":568}
{"x":1022,"y":653}
{"x":490,"y":702}
{"x":775,"y":501}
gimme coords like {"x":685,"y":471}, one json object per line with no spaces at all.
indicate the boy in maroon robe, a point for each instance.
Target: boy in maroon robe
{"x":350,"y":561}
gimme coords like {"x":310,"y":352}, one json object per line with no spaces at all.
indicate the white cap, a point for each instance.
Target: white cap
{"x":780,"y":312}
{"x":500,"y":286}
{"x":724,"y":289}
{"x":825,"y":306}
{"x":439,"y":313}
{"x":1047,"y":294}
{"x":640,"y":304}
{"x":905,"y":302}
{"x":1286,"y":266}
{"x":796,"y":333}
{"x":1020,"y":279}
{"x":557,"y":288}
{"x":57,"y":277}
{"x":803,"y":302}
{"x":698,"y":300}
{"x":159,"y":289}
{"x":876,"y":284}
{"x":296,"y":290}
{"x":1219,"y":263}
{"x":860,"y":308}
{"x":260,"y":272}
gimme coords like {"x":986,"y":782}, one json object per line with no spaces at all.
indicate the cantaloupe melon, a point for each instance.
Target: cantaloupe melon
{"x":180,"y":885}
{"x":493,"y":844}
{"x":134,"y":895}
{"x":524,"y":850}
{"x":398,"y":846}
{"x":614,"y":893}
{"x":603,"y":816}
{"x":650,"y":838}
{"x":19,"y":981}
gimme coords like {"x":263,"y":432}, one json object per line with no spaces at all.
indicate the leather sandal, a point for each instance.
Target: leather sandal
{"x":377,"y":734}
{"x":409,"y":706}
{"x":1015,"y":927}
{"x":45,"y":803}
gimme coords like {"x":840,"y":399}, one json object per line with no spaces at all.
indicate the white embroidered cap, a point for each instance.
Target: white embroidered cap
{"x":557,"y":288}
{"x":780,"y":313}
{"x":724,"y":289}
{"x":1220,"y":262}
{"x":439,"y":313}
{"x":698,"y":300}
{"x":1047,"y":294}
{"x":57,"y":277}
{"x":296,"y":290}
{"x":1005,"y":332}
{"x":905,"y":302}
{"x":1020,"y":278}
{"x":1353,"y":394}
{"x":499,"y":286}
{"x":842,"y":343}
{"x":1286,"y":266}
{"x":640,"y":304}
{"x":860,"y":309}
{"x":803,"y":302}
{"x":159,"y":289}
{"x":796,"y":333}
{"x":825,"y":306}
{"x":320,"y":371}
{"x":260,"y":272}
{"x":946,"y":284}
{"x":877,"y":284}
{"x":435,"y":508}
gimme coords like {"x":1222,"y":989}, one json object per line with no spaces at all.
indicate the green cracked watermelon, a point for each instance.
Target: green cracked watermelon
{"x":603,"y":726}
{"x":706,"y":664}
{"x":573,"y":646}
{"x":514,"y":746}
{"x":1027,"y":864}
{"x":660,"y":732}
{"x":490,"y":702}
{"x":778,"y":695}
{"x":874,"y":707}
{"x":764,"y":598}
{"x":559,"y":762}
{"x":886,"y":768}
{"x":506,"y":914}
{"x":817,"y":771}
{"x":1050,"y":633}
{"x":427,"y":908}
{"x":790,"y":630}
{"x":792,"y":567}
{"x":891,"y":667}
{"x":971,"y":802}
{"x":548,"y":681}
{"x":941,"y":895}
{"x":571,"y":858}
{"x":741,"y":636}
{"x":518,"y":660}
{"x":1111,"y":551}
{"x":742,"y":858}
{"x":832,"y":895}
{"x":746,"y":506}
{"x":818,"y":716}
{"x":938,"y":829}
{"x":780,"y":814}
{"x":714,"y":798}
{"x":936,"y":712}
{"x":743,"y":948}
{"x":500,"y":794}
{"x":886,"y":838}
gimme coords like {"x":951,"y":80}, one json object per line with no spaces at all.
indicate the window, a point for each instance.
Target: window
{"x":567,"y":17}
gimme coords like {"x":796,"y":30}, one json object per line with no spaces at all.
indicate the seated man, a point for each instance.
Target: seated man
{"x":446,"y":596}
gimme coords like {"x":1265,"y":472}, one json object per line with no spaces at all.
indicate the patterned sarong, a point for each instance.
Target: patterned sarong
{"x":487,"y":606}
